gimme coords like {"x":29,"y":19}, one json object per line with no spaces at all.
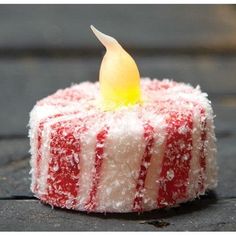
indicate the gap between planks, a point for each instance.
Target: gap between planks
{"x":221,"y":50}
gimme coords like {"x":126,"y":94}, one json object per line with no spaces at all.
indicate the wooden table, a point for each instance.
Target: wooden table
{"x":44,"y":48}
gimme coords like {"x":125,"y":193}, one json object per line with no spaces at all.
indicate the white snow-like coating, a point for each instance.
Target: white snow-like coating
{"x":151,"y":184}
{"x":45,"y":160}
{"x":211,"y":165}
{"x":88,"y":142}
{"x":121,"y":163}
{"x":124,"y":146}
{"x":195,"y":163}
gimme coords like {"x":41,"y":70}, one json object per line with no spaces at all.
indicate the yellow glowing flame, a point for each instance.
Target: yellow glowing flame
{"x":119,"y":76}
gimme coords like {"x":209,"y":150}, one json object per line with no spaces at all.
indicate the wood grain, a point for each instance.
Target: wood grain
{"x":13,"y":149}
{"x":30,"y":215}
{"x":135,"y":26}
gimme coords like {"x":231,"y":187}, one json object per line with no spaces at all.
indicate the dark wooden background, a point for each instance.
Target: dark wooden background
{"x":47,"y":47}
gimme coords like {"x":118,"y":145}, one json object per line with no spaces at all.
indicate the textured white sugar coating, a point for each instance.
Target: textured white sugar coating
{"x":211,"y":151}
{"x":121,"y":163}
{"x":124,"y":145}
{"x":195,"y":165}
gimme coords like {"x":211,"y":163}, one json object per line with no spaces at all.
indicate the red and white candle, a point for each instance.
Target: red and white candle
{"x":97,"y":155}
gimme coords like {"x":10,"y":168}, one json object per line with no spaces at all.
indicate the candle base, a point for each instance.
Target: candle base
{"x":137,"y":158}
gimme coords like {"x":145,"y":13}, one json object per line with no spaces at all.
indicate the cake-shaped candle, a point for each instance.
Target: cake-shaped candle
{"x":124,"y":144}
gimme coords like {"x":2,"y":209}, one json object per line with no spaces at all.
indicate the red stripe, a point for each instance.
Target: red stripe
{"x":176,"y":160}
{"x":64,"y":164}
{"x":99,"y":151}
{"x":39,"y":151}
{"x":202,"y":150}
{"x":39,"y":145}
{"x":145,"y":162}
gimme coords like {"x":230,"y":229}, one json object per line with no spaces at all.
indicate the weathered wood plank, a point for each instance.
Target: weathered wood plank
{"x":29,"y":215}
{"x":13,"y":150}
{"x":14,"y":167}
{"x":15,"y":179}
{"x":25,"y":81}
{"x":227,"y":168}
{"x":225,"y":120}
{"x":143,"y":26}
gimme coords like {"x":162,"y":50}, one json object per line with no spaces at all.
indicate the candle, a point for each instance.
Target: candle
{"x":157,"y":154}
{"x":119,"y":75}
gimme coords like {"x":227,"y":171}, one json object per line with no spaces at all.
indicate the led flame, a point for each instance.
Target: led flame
{"x":119,"y":76}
